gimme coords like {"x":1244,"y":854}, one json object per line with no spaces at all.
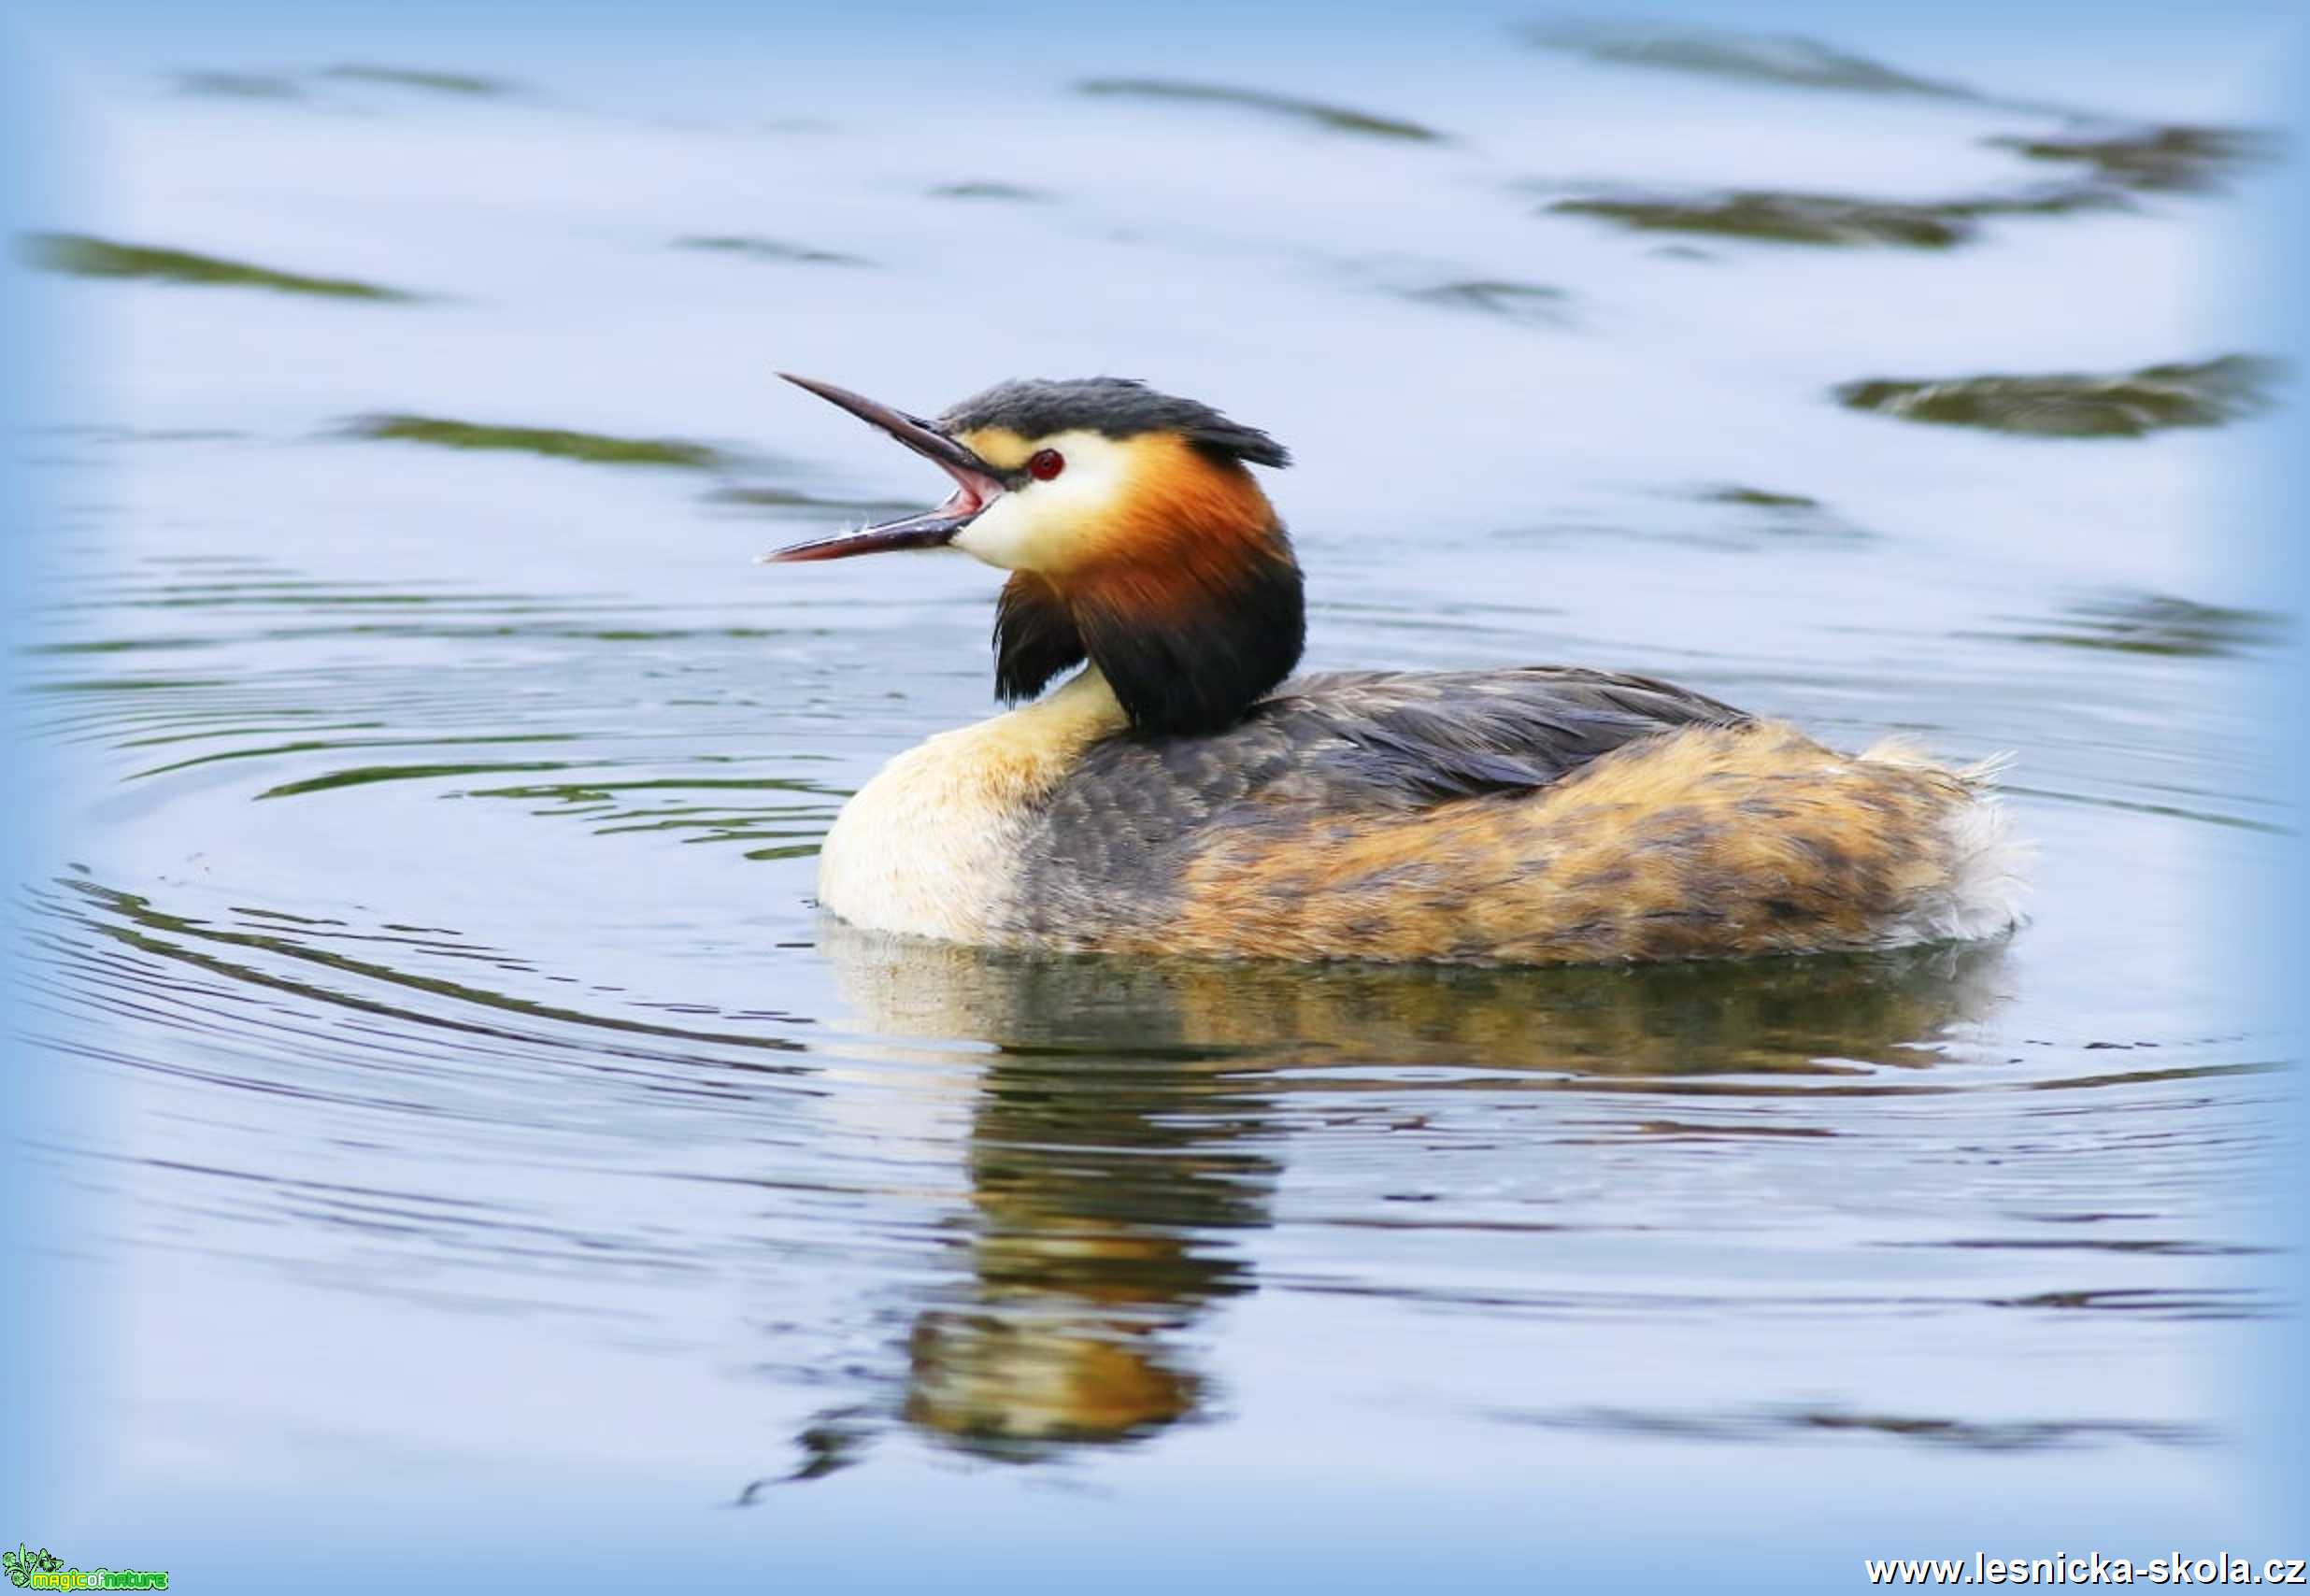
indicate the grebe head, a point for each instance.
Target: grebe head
{"x":1134,"y":535}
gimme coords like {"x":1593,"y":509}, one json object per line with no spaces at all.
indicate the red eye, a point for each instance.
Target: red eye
{"x":1046,"y":464}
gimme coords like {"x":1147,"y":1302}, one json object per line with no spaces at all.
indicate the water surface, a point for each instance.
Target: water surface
{"x":491,"y":1131}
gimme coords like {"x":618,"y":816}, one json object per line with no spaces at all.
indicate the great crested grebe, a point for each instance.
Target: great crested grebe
{"x":1176,"y":795}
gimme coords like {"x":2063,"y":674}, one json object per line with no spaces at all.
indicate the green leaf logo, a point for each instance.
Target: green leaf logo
{"x":23,"y":1562}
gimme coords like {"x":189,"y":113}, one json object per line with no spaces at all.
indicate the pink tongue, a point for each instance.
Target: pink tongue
{"x":972,"y":489}
{"x":970,"y":493}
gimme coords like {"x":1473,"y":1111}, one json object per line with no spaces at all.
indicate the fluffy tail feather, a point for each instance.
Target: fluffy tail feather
{"x":1988,"y":877}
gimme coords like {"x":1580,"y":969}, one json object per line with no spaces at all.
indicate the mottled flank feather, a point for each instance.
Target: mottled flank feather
{"x":1541,"y":816}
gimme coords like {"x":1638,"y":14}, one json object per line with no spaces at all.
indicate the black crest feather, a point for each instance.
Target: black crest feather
{"x":1112,"y":406}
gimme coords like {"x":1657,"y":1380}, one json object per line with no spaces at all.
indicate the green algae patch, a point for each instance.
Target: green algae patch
{"x":591,"y":449}
{"x":1790,"y":60}
{"x":1785,"y":216}
{"x":2160,"y":623}
{"x":237,"y":86}
{"x":1782,"y":515}
{"x":1510,"y":301}
{"x":769,"y":249}
{"x":2070,"y":405}
{"x":1758,"y":498}
{"x":1015,"y":194}
{"x":465,"y":85}
{"x":2173,"y":158}
{"x":1314,"y":113}
{"x":77,"y":254}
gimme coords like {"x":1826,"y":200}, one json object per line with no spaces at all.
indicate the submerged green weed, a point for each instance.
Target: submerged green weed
{"x":79,"y":254}
{"x":593,"y":448}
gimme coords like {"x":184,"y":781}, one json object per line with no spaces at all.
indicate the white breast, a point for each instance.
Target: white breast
{"x":930,"y":847}
{"x":922,"y":848}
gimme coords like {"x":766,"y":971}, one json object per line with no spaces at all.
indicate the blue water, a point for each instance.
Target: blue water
{"x":484,"y":1140}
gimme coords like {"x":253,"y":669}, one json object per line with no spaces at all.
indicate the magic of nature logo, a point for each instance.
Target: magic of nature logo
{"x":43,"y":1570}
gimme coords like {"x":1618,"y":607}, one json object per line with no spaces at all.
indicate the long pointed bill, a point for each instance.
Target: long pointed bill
{"x":976,"y":484}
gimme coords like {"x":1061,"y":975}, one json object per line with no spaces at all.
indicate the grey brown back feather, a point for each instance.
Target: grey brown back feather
{"x":1416,"y":739}
{"x":1113,"y":837}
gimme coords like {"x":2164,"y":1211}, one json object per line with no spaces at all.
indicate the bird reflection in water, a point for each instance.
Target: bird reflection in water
{"x":1130,"y":1127}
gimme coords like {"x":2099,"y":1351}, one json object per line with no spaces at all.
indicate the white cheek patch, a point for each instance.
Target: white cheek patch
{"x":1041,"y":526}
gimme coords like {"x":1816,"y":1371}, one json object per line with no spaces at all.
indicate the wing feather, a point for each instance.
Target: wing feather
{"x":1421,"y":738}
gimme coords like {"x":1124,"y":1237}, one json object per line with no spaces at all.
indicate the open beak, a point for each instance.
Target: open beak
{"x":976,"y":484}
